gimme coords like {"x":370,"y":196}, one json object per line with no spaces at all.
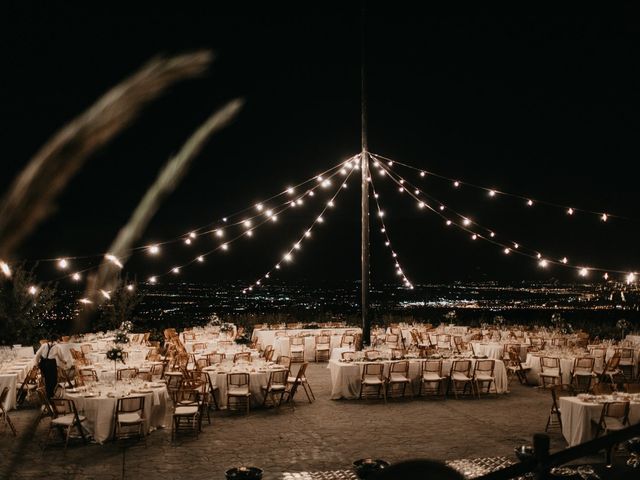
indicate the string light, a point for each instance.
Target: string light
{"x":76,"y":277}
{"x":583,"y":272}
{"x":106,"y":294}
{"x":33,"y":290}
{"x":564,"y":260}
{"x":543,"y":263}
{"x":5,"y":269}
{"x":175,"y":270}
{"x":528,"y":201}
{"x":187,"y":241}
{"x":113,"y":259}
{"x":506,"y":248}
{"x":63,"y":264}
{"x":387,"y":243}
{"x":288,"y":256}
{"x":154,"y":250}
{"x":492,"y":193}
{"x":631,"y":278}
{"x":85,"y":301}
{"x":153,"y":280}
{"x":200,"y":259}
{"x":224,"y":246}
{"x":604,"y":217}
{"x":192,"y":234}
{"x":130,"y":287}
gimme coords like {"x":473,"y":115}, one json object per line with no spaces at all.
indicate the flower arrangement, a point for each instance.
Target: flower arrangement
{"x":623,"y":324}
{"x":126,"y":326}
{"x":115,"y":354}
{"x":561,"y":324}
{"x":121,"y":337}
{"x":226,"y":327}
{"x":451,"y":316}
{"x":499,"y":320}
{"x":214,"y":321}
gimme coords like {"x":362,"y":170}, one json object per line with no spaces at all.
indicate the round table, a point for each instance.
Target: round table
{"x":258,"y":378}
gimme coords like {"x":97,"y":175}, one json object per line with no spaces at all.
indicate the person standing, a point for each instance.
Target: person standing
{"x":48,"y":358}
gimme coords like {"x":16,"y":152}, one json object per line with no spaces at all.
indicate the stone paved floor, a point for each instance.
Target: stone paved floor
{"x":324,"y":435}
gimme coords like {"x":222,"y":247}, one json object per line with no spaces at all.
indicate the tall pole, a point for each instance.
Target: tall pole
{"x":364,"y":214}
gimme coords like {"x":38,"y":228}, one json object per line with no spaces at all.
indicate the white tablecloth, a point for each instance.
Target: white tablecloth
{"x":12,"y":376}
{"x":257,"y":379}
{"x":566,"y":366}
{"x":346,"y":377}
{"x":100,"y":410}
{"x":281,"y":343}
{"x":580,"y":419}
{"x":635,"y":339}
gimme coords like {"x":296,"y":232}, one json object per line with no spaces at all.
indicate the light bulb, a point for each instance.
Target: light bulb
{"x":421,"y":205}
{"x":130,"y":287}
{"x":274,"y":218}
{"x":219,"y":233}
{"x":606,"y":276}
{"x":85,"y":301}
{"x":153,"y":279}
{"x":584,"y":272}
{"x":175,"y":270}
{"x":192,"y":234}
{"x":259,"y":207}
{"x":631,"y":278}
{"x":507,"y":251}
{"x":290,"y":190}
{"x":474,"y":237}
{"x":380,"y":213}
{"x":113,"y":259}
{"x":390,"y":163}
{"x":287,"y":257}
{"x":416,"y":192}
{"x":299,"y":201}
{"x":456,"y":184}
{"x":422,"y":174}
{"x":492,"y":234}
{"x":516,"y":245}
{"x":330,"y":203}
{"x":106,"y":294}
{"x":387,"y":243}
{"x":247,"y":223}
{"x":76,"y":277}
{"x":466,"y":222}
{"x":604,"y":217}
{"x":564,"y":260}
{"x":249,"y":233}
{"x":543,"y":263}
{"x":320,"y":219}
{"x":343,"y":171}
{"x":200,"y":259}
{"x":441,"y":207}
{"x":492,"y":193}
{"x":153,"y":250}
{"x":187,"y":241}
{"x":5,"y":269}
{"x":448,"y":222}
{"x":344,"y":185}
{"x":225,"y":246}
{"x":570,"y":211}
{"x":307,"y":233}
{"x":33,"y":290}
{"x":530,"y":203}
{"x":401,"y":189}
{"x":63,"y":264}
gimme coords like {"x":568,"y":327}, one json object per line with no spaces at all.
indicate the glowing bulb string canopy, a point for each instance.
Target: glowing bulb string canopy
{"x":201,"y":230}
{"x":492,"y":192}
{"x":268,"y":214}
{"x":288,"y":256}
{"x":465,"y":224}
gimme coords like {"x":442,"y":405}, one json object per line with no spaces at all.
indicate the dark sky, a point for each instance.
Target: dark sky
{"x":542,"y":106}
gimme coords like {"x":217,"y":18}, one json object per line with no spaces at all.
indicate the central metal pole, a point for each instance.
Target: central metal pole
{"x":364,"y":168}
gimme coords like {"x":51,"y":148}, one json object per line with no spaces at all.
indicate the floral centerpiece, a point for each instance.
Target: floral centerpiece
{"x":126,"y":326}
{"x":121,"y":337}
{"x":214,"y":321}
{"x":451,"y":317}
{"x":499,"y":321}
{"x":623,"y":324}
{"x":115,"y":354}
{"x":226,"y":327}
{"x":560,"y":324}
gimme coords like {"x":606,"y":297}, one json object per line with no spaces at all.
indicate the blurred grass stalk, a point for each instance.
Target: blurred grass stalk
{"x":172,"y":173}
{"x":30,"y":198}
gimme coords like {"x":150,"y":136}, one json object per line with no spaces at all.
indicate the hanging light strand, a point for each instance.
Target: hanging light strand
{"x":488,"y":235}
{"x":204,"y":229}
{"x":385,"y":231}
{"x":492,"y":192}
{"x":288,"y":255}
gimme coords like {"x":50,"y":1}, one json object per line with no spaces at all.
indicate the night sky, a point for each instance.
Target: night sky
{"x":540,"y":106}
